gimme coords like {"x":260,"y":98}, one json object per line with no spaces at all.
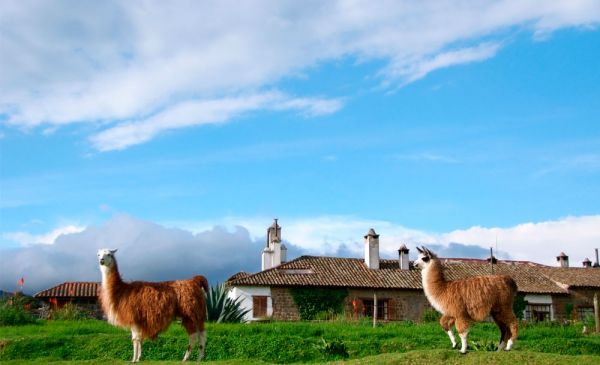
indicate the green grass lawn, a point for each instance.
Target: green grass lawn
{"x":95,"y":342}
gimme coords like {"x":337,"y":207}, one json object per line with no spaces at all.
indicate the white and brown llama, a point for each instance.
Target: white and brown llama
{"x":149,"y":308}
{"x":462,"y":302}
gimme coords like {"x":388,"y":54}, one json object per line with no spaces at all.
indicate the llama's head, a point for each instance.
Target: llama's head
{"x":106,"y":258}
{"x":425,"y":257}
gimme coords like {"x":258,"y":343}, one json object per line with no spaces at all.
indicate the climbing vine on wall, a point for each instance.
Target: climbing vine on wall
{"x":311,"y":302}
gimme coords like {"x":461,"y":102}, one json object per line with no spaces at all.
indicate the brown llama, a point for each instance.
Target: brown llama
{"x":462,"y":302}
{"x":149,"y":308}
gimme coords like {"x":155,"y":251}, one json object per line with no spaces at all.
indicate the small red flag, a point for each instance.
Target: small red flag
{"x":21,"y":282}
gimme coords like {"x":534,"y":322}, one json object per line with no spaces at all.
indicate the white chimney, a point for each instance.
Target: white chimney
{"x":372,"y":249}
{"x":563,"y":260}
{"x":267,"y":259}
{"x":403,"y":261}
{"x":275,"y":253}
{"x":283,"y":253}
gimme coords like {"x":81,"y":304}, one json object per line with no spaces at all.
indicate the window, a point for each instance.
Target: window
{"x":259,"y":306}
{"x":382,"y":308}
{"x":537,"y":312}
{"x":584,"y":312}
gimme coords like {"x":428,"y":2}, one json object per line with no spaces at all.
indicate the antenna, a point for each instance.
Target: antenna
{"x":492,"y":259}
{"x":496,"y":243}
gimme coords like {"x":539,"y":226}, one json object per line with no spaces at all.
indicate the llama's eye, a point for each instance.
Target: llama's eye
{"x":425,"y":259}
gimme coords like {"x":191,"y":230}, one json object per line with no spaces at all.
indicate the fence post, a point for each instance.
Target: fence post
{"x":596,"y":312}
{"x":374,"y":309}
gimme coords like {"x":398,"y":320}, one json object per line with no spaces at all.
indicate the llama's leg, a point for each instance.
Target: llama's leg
{"x":136,"y":339}
{"x":513,"y":325}
{"x":193,"y":338}
{"x":202,"y":335}
{"x":504,"y":331}
{"x":462,"y":327}
{"x":446,"y":322}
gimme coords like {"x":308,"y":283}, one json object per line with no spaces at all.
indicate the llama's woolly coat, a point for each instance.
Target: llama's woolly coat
{"x":150,"y":307}
{"x":472,"y":298}
{"x":469,"y":300}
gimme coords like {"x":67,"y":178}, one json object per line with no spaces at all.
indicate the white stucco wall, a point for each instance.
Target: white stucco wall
{"x":246,"y":293}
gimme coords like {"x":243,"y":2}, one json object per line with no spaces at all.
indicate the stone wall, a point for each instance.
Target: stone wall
{"x":284,"y":307}
{"x":403,"y":304}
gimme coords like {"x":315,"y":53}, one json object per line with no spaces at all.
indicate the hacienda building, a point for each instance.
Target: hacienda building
{"x":552,"y":293}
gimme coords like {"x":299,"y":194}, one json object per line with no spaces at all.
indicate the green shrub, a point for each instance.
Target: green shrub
{"x":430,"y":315}
{"x":334,"y":349}
{"x":13,"y":311}
{"x":313,"y":301}
{"x":483,"y":345}
{"x":519,"y":305}
{"x":69,"y":312}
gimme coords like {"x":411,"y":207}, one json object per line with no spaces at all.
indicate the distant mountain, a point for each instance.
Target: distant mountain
{"x":5,"y":294}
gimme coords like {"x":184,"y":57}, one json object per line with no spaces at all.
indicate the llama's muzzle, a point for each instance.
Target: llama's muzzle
{"x":101,"y":261}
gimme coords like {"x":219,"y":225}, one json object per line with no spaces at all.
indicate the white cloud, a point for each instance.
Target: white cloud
{"x":327,"y":235}
{"x":200,"y":112}
{"x":27,"y":239}
{"x":538,"y":242}
{"x":413,"y":71}
{"x":150,"y":251}
{"x":426,"y":156}
{"x":146,"y":251}
{"x":132,"y":62}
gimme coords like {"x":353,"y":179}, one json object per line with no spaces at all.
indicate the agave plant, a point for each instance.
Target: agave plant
{"x":221,"y":308}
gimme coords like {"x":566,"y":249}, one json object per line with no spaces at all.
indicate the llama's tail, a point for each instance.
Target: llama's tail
{"x":512,"y":285}
{"x":201,"y":280}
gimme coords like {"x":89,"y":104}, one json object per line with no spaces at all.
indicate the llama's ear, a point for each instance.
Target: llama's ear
{"x":113,"y":251}
{"x":418,"y":249}
{"x":429,"y":253}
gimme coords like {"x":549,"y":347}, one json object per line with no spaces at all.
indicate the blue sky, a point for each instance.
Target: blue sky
{"x":432,"y":123}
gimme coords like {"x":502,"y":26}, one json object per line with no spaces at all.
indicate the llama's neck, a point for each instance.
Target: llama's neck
{"x":434,"y":284}
{"x":110,"y":277}
{"x":111,"y":281}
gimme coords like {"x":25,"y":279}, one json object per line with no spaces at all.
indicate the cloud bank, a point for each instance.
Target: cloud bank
{"x":132,"y":68}
{"x":149,"y":251}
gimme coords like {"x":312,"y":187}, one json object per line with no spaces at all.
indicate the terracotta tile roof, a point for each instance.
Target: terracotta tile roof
{"x":238,"y":275}
{"x":353,"y":273}
{"x":574,"y":276}
{"x":334,"y":271}
{"x":528,"y":276}
{"x":71,"y":290}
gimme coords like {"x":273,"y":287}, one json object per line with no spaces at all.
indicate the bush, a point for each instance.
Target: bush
{"x":69,"y":312}
{"x":13,"y":311}
{"x":334,"y":349}
{"x":519,"y":306}
{"x":430,"y":315}
{"x":314,"y":303}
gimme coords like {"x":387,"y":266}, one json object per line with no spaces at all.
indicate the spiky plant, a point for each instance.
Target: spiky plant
{"x":221,"y":308}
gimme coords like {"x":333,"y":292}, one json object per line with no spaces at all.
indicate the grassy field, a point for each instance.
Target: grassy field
{"x":95,"y":342}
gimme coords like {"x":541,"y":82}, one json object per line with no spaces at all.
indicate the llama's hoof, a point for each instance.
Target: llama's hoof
{"x":454,"y":346}
{"x":462,"y":353}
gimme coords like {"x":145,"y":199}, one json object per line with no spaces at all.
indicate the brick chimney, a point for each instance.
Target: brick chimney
{"x":563,"y":260}
{"x":403,"y":261}
{"x":372,"y":249}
